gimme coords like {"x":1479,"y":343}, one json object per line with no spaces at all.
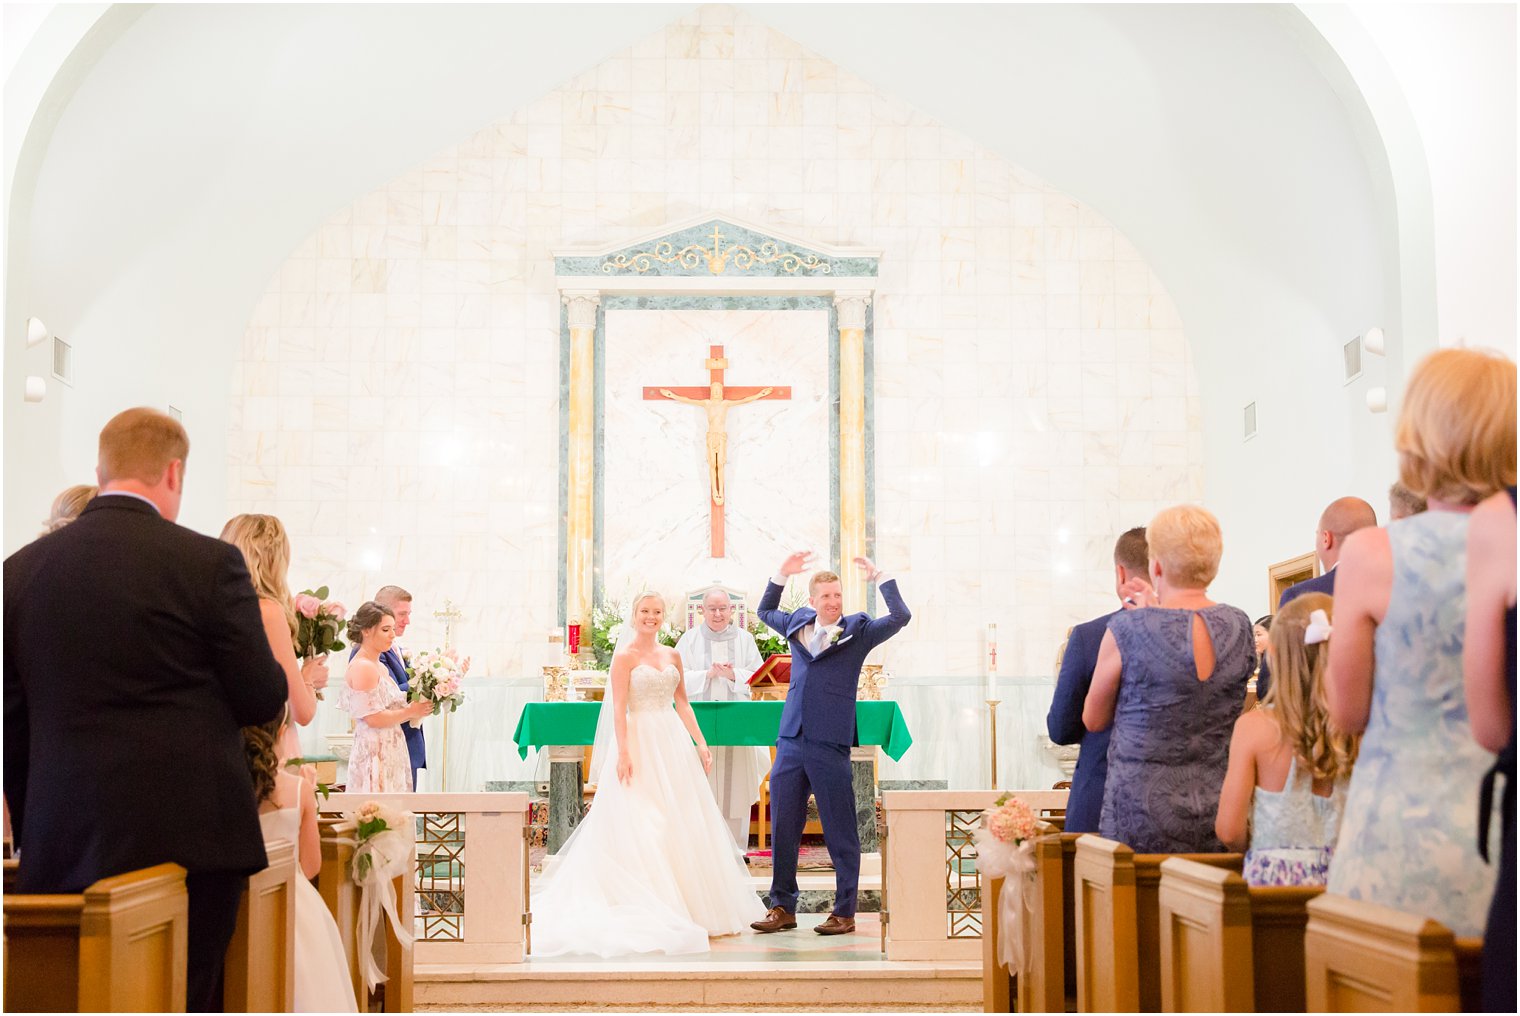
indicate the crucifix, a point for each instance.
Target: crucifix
{"x":716,"y":399}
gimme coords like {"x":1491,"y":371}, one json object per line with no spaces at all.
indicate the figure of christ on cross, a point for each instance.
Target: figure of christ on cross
{"x":716,"y":399}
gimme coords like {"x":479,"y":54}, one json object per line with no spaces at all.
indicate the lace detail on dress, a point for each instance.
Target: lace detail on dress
{"x":1170,"y":744}
{"x":652,"y":687}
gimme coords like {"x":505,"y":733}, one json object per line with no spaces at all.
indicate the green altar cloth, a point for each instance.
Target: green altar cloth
{"x":723,"y":723}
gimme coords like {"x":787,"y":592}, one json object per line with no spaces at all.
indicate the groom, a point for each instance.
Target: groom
{"x":818,"y":730}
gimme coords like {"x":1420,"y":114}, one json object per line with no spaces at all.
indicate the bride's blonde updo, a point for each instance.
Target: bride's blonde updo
{"x":646,"y":595}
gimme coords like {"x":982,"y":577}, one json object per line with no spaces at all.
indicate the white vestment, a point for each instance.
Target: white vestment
{"x":737,"y":770}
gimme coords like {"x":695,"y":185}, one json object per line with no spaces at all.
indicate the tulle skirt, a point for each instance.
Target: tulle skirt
{"x":653,"y":867}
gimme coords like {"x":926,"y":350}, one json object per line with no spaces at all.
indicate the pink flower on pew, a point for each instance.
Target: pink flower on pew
{"x":307,"y":605}
{"x":1011,"y":821}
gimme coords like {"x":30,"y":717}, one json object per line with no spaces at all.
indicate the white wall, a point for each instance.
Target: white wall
{"x":1455,"y":64}
{"x":1205,"y":133}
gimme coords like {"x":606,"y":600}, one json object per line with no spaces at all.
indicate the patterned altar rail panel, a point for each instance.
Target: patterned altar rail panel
{"x":963,"y":880}
{"x":440,"y":876}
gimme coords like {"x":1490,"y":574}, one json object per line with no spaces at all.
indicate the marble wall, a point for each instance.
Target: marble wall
{"x":396,"y":402}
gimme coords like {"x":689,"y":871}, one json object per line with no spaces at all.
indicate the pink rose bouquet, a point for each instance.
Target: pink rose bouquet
{"x":435,"y":676}
{"x":319,"y":624}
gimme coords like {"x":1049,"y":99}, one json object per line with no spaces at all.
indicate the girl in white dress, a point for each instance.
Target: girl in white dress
{"x":288,"y":811}
{"x":652,"y":867}
{"x":379,"y":763}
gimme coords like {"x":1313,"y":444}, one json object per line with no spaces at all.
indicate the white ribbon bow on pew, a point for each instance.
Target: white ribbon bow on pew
{"x":1015,"y":865}
{"x":378,"y":860}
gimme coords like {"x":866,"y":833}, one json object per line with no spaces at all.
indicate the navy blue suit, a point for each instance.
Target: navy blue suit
{"x":1319,"y":584}
{"x":416,"y":747}
{"x":1064,"y":722}
{"x":813,"y":750}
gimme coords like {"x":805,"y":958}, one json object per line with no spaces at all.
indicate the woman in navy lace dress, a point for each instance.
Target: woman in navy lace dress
{"x":1171,"y":680}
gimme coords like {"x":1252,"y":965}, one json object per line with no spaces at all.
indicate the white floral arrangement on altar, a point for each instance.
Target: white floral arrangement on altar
{"x":1005,"y":849}
{"x":385,"y":848}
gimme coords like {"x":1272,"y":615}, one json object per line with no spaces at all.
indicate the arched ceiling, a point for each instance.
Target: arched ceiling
{"x":202,"y":143}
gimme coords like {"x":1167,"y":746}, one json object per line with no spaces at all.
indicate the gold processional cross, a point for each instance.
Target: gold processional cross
{"x":716,"y":399}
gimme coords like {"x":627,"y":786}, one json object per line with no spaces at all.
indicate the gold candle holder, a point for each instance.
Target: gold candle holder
{"x":992,"y":705}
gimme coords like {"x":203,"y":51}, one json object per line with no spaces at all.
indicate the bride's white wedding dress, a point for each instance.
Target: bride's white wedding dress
{"x":653,"y":866}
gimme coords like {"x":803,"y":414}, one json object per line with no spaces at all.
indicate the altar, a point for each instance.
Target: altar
{"x":566,"y":728}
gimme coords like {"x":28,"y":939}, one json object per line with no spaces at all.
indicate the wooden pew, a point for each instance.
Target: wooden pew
{"x":260,"y":972}
{"x":336,"y":885}
{"x":1362,"y":957}
{"x":117,"y":947}
{"x":1118,"y":924}
{"x":1041,"y":988}
{"x":338,"y":890}
{"x":1227,"y":946}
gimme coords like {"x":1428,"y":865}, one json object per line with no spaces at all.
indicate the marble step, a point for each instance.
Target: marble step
{"x":789,"y":971}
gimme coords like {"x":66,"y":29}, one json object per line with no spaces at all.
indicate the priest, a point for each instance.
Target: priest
{"x":719,"y":657}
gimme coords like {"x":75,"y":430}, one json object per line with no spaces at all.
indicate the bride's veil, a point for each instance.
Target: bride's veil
{"x":604,"y":743}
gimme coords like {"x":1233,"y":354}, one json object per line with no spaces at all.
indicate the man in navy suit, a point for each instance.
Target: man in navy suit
{"x":399,"y":602}
{"x":818,"y":730}
{"x":134,"y":652}
{"x":1343,"y":517}
{"x":1064,"y":721}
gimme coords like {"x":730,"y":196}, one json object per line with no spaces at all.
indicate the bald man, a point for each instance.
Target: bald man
{"x":1343,"y":517}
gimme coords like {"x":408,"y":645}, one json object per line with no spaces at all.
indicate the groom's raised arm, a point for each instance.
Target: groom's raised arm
{"x":879,"y":629}
{"x":770,"y":610}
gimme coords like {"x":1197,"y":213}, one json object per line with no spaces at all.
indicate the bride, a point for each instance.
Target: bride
{"x":652,"y":867}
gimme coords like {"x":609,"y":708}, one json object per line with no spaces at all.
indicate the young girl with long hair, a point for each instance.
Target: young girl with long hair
{"x":1285,"y":788}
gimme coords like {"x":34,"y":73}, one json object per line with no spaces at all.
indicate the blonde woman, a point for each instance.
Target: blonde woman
{"x":1286,"y":786}
{"x":1409,"y":837}
{"x":1170,"y":679}
{"x":266,"y":550}
{"x":68,"y":505}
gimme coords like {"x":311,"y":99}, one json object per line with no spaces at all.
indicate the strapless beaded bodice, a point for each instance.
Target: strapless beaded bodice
{"x":652,"y":687}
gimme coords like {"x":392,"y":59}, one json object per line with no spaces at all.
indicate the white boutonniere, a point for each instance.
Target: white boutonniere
{"x":834,"y":636}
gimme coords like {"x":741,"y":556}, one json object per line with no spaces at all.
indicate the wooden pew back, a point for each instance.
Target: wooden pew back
{"x":338,"y":890}
{"x":119,"y":946}
{"x":1118,"y":924}
{"x":1051,"y":980}
{"x":1362,"y":957}
{"x":336,"y":885}
{"x":1227,"y":946}
{"x":260,"y":972}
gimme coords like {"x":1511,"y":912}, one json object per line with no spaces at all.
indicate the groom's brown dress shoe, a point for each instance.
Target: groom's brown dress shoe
{"x":836,"y":925}
{"x":776,"y":919}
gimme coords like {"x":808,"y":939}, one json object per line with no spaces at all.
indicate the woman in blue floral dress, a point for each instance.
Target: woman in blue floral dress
{"x":1409,"y":836}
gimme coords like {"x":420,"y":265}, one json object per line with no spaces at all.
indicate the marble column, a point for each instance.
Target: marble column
{"x":851,"y":310}
{"x":580,"y":456}
{"x":863,"y":774}
{"x":565,"y":789}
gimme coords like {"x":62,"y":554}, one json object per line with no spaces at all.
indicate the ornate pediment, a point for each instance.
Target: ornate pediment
{"x":718,"y":248}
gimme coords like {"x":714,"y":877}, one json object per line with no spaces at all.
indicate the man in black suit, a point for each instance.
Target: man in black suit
{"x":1339,"y":520}
{"x":1064,"y":721}
{"x":134,"y":652}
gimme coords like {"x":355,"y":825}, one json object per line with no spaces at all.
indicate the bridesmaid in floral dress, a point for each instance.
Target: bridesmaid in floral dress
{"x":379,"y":763}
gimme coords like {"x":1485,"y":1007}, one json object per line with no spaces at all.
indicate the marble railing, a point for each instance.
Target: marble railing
{"x":472,"y":872}
{"x":931,"y":888}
